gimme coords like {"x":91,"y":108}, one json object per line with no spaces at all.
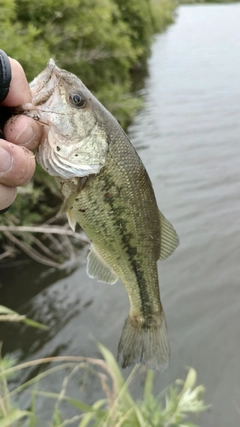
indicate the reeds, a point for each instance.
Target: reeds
{"x":171,"y":408}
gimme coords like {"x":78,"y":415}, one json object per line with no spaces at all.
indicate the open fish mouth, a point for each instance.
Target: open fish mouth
{"x":72,"y":144}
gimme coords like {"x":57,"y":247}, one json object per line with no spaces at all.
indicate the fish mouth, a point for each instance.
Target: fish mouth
{"x":42,"y":88}
{"x":48,"y":77}
{"x":62,"y":152}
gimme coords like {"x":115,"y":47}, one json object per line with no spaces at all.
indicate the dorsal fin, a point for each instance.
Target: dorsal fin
{"x":169,"y":238}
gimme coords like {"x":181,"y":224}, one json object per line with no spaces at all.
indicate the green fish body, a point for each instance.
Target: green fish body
{"x":112,"y":198}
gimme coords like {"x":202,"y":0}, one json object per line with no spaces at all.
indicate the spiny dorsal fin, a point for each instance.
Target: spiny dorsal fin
{"x":169,"y":238}
{"x":98,"y":268}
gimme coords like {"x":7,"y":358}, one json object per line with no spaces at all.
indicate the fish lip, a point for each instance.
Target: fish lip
{"x":43,"y":85}
{"x":53,"y":68}
{"x":51,"y":63}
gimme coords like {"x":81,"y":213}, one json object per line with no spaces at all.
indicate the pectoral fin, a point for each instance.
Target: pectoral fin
{"x":98,"y":268}
{"x":169,"y":238}
{"x":69,"y":201}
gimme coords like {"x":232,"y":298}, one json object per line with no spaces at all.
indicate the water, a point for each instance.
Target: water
{"x":191,"y":130}
{"x":188,"y":135}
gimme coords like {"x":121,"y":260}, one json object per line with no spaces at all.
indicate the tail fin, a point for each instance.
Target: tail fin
{"x":144,"y":342}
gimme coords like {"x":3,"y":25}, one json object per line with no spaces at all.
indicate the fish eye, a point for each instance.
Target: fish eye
{"x":77,"y":99}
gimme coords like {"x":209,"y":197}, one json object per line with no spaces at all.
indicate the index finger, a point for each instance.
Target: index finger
{"x":19,"y":91}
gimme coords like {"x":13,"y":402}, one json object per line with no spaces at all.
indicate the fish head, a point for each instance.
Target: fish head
{"x":74,"y":142}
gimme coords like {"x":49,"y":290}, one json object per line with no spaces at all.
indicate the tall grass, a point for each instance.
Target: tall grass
{"x":172,"y":407}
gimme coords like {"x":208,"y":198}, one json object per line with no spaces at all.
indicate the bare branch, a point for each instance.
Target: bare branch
{"x":8,"y":253}
{"x":59,"y":254}
{"x":31,"y":252}
{"x":46,"y":229}
{"x":43,"y":247}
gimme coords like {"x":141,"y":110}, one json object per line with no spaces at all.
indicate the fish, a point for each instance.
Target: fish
{"x":107,"y":191}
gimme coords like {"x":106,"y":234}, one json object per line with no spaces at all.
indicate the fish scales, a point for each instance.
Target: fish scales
{"x":108,"y":192}
{"x":124,"y":236}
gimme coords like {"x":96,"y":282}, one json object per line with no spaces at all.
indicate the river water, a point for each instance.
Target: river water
{"x":188,"y":135}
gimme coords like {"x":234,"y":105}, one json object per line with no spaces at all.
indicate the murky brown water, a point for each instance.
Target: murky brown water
{"x":188,"y":135}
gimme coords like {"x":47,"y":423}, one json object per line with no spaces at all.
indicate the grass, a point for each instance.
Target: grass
{"x":171,"y":408}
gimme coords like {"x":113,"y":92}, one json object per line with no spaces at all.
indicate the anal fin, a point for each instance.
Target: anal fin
{"x":99,"y":269}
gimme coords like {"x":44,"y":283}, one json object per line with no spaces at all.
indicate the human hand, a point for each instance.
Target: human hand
{"x":22,"y":133}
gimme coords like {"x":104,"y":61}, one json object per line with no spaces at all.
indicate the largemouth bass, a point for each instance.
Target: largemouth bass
{"x":106,"y":189}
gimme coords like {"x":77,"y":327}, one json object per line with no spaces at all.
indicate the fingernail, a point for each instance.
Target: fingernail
{"x":26,"y":134}
{"x":6,"y":161}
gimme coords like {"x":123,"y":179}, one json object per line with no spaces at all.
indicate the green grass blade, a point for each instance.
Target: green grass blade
{"x":111,"y":362}
{"x":57,"y":418}
{"x":32,"y":416}
{"x":139,"y":416}
{"x":74,"y":402}
{"x":87,"y":418}
{"x":96,"y":415}
{"x":120,"y":383}
{"x":190,"y":380}
{"x":7,"y":311}
{"x":35,"y":324}
{"x":38,"y":377}
{"x":15,"y":415}
{"x":148,"y":384}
